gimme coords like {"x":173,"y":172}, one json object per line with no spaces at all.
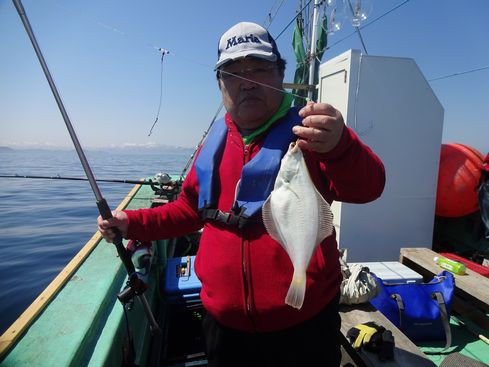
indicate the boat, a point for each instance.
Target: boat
{"x":79,"y":318}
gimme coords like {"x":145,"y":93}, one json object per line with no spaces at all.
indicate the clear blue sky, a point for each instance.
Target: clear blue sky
{"x":102,"y":57}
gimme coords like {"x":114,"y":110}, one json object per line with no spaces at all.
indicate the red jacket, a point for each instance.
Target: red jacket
{"x":485,"y":164}
{"x":245,"y":274}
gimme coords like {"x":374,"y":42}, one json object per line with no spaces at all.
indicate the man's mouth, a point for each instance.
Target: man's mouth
{"x":250,"y":99}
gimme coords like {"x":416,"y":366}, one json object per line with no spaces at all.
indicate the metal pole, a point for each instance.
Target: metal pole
{"x":312,"y":52}
{"x":103,"y":207}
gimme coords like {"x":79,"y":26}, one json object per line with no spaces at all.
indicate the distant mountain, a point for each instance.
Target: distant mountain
{"x":142,"y":148}
{"x":129,"y":148}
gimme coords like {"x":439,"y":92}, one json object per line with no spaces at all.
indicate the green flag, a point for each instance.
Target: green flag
{"x":302,"y":67}
{"x":322,"y":41}
{"x":321,"y":44}
{"x":301,"y":70}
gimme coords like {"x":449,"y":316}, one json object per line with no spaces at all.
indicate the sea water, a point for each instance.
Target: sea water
{"x":45,"y":222}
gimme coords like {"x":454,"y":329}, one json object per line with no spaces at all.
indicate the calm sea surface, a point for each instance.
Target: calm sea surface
{"x":43,"y":223}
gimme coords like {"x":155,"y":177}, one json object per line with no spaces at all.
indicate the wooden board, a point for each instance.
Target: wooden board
{"x":406,"y":353}
{"x":472,"y":289}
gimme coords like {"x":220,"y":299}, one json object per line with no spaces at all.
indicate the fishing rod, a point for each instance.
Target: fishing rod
{"x":135,"y":286}
{"x":134,"y":182}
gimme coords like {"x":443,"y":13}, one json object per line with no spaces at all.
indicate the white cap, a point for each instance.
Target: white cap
{"x":246,"y":39}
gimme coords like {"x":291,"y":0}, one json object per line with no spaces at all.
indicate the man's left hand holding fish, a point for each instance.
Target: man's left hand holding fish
{"x":322,"y":128}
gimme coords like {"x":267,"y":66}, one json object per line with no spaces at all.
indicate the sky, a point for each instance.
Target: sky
{"x":104,"y":58}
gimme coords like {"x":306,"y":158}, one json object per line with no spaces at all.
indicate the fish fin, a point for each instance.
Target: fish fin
{"x":238,"y":185}
{"x":268,"y":221}
{"x":325,"y":227}
{"x":297,"y":290}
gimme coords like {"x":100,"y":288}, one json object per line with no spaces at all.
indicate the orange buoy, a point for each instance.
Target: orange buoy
{"x":458,"y":179}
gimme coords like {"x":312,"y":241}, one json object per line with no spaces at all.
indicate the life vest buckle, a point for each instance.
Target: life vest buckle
{"x":223,"y":217}
{"x":220,"y":216}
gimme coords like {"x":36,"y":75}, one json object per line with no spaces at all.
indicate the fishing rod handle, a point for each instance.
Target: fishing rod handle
{"x":106,"y":214}
{"x":153,"y":325}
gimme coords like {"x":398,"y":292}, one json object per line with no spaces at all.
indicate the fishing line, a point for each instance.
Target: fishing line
{"x":458,"y":74}
{"x":125,"y":34}
{"x":106,"y":26}
{"x":288,"y":25}
{"x":263,"y":84}
{"x":58,"y":177}
{"x":163,"y":53}
{"x":190,"y":160}
{"x":167,"y":52}
{"x":369,"y":23}
{"x":271,"y":17}
{"x":240,"y":77}
{"x":137,"y":40}
{"x":357,"y":29}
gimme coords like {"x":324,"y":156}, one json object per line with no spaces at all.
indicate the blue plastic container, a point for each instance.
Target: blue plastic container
{"x":181,"y":283}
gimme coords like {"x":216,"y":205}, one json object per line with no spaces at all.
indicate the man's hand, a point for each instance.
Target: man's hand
{"x":118,"y":220}
{"x":323,"y":127}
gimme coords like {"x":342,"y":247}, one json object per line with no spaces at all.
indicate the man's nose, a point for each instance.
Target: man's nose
{"x":247,"y":82}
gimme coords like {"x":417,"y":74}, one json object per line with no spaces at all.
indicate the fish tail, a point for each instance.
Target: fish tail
{"x":297,"y":291}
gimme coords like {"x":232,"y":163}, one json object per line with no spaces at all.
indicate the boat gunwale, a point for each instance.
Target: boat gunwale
{"x":25,"y":320}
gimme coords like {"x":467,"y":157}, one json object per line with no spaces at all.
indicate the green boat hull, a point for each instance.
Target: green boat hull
{"x":84,"y":323}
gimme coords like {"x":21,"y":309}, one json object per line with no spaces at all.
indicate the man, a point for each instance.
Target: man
{"x":245,"y":274}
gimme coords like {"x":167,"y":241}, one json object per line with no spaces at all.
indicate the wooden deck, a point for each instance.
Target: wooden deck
{"x":471,"y":290}
{"x":406,"y":353}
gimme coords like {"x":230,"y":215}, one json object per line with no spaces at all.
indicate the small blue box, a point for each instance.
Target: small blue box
{"x":181,"y":283}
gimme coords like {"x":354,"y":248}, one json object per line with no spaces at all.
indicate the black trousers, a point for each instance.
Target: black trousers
{"x":315,"y":342}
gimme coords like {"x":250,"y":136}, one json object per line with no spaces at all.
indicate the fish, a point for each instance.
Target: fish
{"x":297,"y":216}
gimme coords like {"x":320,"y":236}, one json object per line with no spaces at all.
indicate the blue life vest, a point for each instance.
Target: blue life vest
{"x":257,"y":177}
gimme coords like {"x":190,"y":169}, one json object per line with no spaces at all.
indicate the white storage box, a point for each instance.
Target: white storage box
{"x":393,"y":272}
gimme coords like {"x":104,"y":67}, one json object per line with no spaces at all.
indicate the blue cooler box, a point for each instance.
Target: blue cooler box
{"x":181,"y":283}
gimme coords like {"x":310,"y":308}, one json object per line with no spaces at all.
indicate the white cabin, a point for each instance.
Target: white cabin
{"x":390,"y":105}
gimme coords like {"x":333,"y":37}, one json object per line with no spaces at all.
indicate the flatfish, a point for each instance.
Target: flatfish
{"x":297,"y":216}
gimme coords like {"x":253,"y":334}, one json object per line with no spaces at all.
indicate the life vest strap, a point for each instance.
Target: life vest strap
{"x":229,"y":218}
{"x":257,"y":176}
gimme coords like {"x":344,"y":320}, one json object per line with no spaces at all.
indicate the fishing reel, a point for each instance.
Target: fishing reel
{"x":141,"y":254}
{"x":165,"y":188}
{"x":162,"y":178}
